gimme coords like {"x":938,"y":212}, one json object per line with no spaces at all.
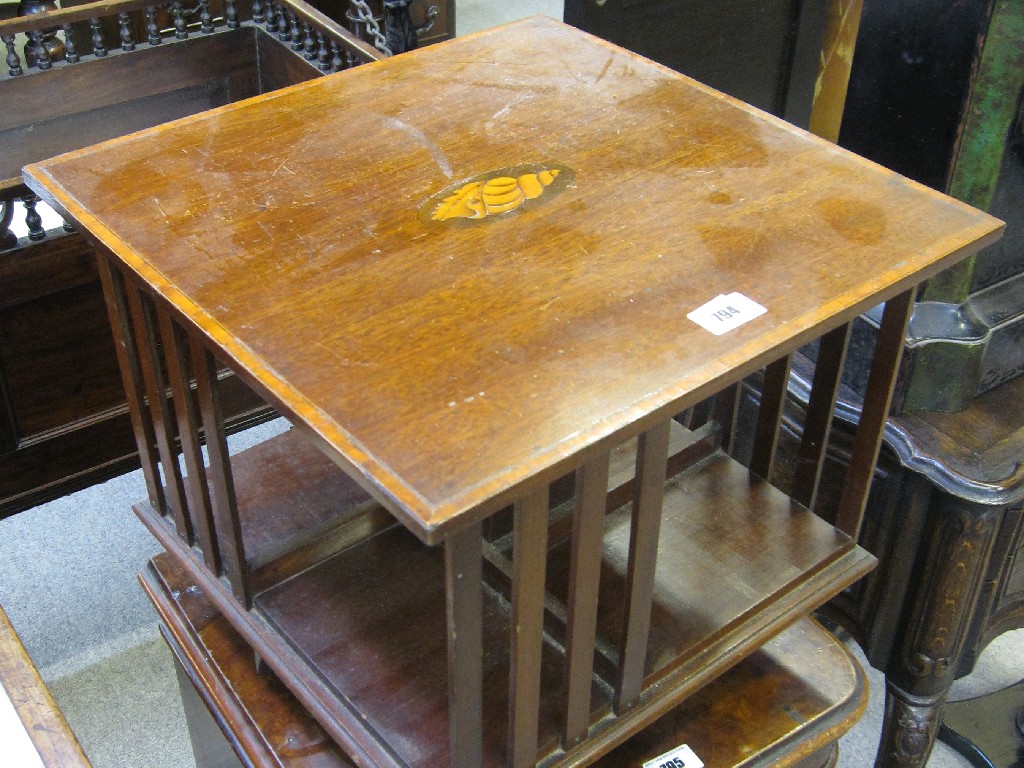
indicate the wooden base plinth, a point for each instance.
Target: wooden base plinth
{"x":785,"y":705}
{"x":357,"y":605}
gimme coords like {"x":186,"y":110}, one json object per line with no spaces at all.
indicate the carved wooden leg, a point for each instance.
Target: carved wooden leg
{"x":937,"y":628}
{"x":909,"y":729}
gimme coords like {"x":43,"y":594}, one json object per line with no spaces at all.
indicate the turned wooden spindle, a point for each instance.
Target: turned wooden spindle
{"x":99,"y":47}
{"x":32,"y":218}
{"x":309,"y":45}
{"x":180,"y":24}
{"x":152,"y":29}
{"x":124,"y":21}
{"x":205,"y":17}
{"x":70,"y":50}
{"x":13,"y":60}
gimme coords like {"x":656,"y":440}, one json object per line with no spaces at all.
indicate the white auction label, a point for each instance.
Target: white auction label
{"x":726,"y":312}
{"x":680,"y":757}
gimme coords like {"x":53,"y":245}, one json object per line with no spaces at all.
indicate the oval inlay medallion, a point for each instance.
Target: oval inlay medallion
{"x":496,"y":192}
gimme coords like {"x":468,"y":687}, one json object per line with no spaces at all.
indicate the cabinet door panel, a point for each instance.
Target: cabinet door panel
{"x":64,"y":424}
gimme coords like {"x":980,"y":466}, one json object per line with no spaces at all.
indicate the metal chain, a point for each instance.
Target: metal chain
{"x":365,"y":15}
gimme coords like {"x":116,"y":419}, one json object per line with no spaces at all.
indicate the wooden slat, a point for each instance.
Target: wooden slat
{"x":651,"y":458}
{"x":769,"y":417}
{"x":200,"y":511}
{"x":877,"y":398}
{"x":464,"y":600}
{"x":725,"y":413}
{"x":584,"y":580}
{"x":128,"y":362}
{"x":699,"y":415}
{"x":231,"y":550}
{"x":820,"y":407}
{"x":144,"y":323}
{"x":529,"y":558}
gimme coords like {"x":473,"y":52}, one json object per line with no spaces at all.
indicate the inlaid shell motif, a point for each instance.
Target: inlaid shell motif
{"x":496,"y":192}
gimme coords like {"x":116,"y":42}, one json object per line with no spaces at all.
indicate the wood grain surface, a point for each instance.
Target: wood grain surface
{"x":371,"y":619}
{"x":793,"y":697}
{"x":449,"y":364}
{"x":56,"y":745}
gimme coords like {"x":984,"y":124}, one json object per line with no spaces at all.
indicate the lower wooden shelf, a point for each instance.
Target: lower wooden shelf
{"x":785,"y":705}
{"x":349,"y":607}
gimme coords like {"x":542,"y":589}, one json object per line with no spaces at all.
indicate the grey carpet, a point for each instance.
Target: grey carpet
{"x":126,"y":709}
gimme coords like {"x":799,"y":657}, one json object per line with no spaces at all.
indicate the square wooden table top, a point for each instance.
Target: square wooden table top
{"x":462,"y":266}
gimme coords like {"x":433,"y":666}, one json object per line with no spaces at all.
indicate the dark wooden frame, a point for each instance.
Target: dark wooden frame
{"x":64,"y":422}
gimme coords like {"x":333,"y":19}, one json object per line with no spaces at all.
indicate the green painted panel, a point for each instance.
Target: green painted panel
{"x":991,"y":109}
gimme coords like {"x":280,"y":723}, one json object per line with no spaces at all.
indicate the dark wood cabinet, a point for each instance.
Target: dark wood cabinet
{"x":765,"y":53}
{"x":64,"y":422}
{"x":944,"y":518}
{"x":947,"y":527}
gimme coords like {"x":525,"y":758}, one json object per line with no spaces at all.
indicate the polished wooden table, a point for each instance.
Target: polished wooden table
{"x":485,"y":282}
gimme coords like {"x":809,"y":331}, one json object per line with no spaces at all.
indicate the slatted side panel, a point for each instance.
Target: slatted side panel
{"x":228,"y":532}
{"x":877,"y":400}
{"x":143,"y":320}
{"x":649,"y":493}
{"x":131,"y":377}
{"x":526,"y":573}
{"x":178,"y":360}
{"x":171,"y":385}
{"x":820,"y":409}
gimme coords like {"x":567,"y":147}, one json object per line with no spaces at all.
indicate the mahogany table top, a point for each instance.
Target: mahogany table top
{"x":462,"y":266}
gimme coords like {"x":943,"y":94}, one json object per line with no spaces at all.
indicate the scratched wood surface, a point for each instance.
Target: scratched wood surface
{"x":48,"y":731}
{"x":448,"y":363}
